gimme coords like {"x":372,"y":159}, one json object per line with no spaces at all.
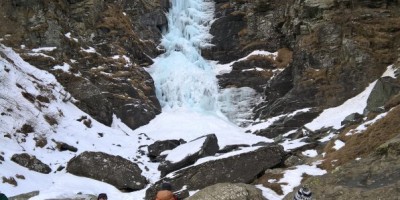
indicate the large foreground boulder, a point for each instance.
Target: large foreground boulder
{"x":115,"y":170}
{"x":243,"y":167}
{"x":228,"y":191}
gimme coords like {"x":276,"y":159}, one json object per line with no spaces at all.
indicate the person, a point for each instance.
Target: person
{"x":303,"y":194}
{"x":102,"y":196}
{"x":3,"y":196}
{"x":165,"y":192}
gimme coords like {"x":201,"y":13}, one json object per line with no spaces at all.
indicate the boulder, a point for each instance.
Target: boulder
{"x":155,"y":149}
{"x":228,"y":191}
{"x":238,"y":168}
{"x":353,"y":118}
{"x":31,"y":162}
{"x":198,"y":148}
{"x":384,"y":89}
{"x":115,"y":170}
{"x":288,"y":123}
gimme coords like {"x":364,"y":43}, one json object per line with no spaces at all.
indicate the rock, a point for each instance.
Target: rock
{"x":353,"y":118}
{"x":384,"y":89}
{"x":90,"y":98}
{"x":209,"y":147}
{"x":228,"y":191}
{"x":288,"y":123}
{"x":155,"y":149}
{"x":24,"y":196}
{"x":115,"y":170}
{"x":240,"y":168}
{"x":225,"y":31}
{"x":31,"y":162}
{"x":371,"y":176}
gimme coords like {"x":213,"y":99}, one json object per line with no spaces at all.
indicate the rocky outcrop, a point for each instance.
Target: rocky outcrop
{"x":240,"y":168}
{"x":225,"y":191}
{"x":31,"y":162}
{"x":102,"y":45}
{"x":209,"y":147}
{"x":115,"y":170}
{"x":330,"y":55}
{"x":370,"y":177}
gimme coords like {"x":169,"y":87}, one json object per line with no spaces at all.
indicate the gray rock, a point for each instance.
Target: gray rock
{"x":115,"y":170}
{"x":241,"y":168}
{"x":31,"y":162}
{"x":228,"y":191}
{"x":24,"y":196}
{"x":209,"y":148}
{"x":384,"y":89}
{"x":155,"y":149}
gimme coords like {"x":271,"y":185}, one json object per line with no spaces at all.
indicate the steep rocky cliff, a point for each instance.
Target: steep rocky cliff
{"x":101,"y":46}
{"x":327,"y":52}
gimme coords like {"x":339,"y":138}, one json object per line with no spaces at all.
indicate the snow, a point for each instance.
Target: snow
{"x":338,"y":144}
{"x":310,"y":153}
{"x":187,"y":89}
{"x":89,"y":50}
{"x":65,"y":67}
{"x":44,"y":49}
{"x":189,"y":148}
{"x":332,"y":117}
{"x":227,"y":68}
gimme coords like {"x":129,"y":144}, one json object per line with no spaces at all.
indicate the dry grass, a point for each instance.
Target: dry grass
{"x":115,"y":20}
{"x":393,"y":101}
{"x":40,"y":141}
{"x":11,"y":180}
{"x":365,"y":143}
{"x":243,"y":32}
{"x":226,"y":6}
{"x":284,"y":58}
{"x":264,"y":180}
{"x":19,"y":176}
{"x":26,"y":128}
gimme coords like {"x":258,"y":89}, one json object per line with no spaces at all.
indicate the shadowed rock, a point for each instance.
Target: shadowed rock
{"x":115,"y":170}
{"x":240,"y":168}
{"x":208,"y":148}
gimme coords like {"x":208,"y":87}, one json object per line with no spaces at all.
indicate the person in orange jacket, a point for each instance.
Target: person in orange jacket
{"x":165,"y":193}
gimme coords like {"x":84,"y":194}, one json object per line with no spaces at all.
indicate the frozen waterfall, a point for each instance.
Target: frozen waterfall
{"x":183,"y":79}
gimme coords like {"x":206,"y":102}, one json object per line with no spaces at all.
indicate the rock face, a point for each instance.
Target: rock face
{"x":228,"y":191}
{"x":241,"y":168}
{"x":31,"y":162}
{"x":330,"y":56}
{"x":115,"y":170}
{"x":103,"y":44}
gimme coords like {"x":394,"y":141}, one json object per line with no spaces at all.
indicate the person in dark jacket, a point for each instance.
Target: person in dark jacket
{"x":303,"y":194}
{"x":165,"y":193}
{"x":3,"y":196}
{"x":102,"y":196}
